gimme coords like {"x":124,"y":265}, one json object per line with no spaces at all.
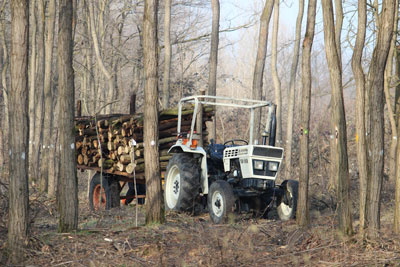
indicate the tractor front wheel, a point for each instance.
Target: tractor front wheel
{"x":221,"y":201}
{"x":287,"y":204}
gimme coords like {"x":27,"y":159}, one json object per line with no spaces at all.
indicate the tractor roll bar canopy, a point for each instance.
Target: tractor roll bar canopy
{"x":227,"y":102}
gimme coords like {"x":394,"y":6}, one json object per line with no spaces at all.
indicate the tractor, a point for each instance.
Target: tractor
{"x":236,"y":176}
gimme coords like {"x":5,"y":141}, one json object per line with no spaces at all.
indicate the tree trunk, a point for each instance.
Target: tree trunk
{"x":154,"y":199}
{"x":260,"y":63}
{"x":339,"y":120}
{"x":212,"y":77}
{"x":292,"y":92}
{"x":67,"y":189}
{"x":48,"y":97}
{"x":167,"y":53}
{"x":387,"y":85}
{"x":96,"y":46}
{"x":275,"y":76}
{"x":5,"y":88}
{"x":302,"y":204}
{"x":333,"y":183}
{"x":19,"y":132}
{"x":361,"y":142}
{"x":375,"y":88}
{"x":32,"y":79}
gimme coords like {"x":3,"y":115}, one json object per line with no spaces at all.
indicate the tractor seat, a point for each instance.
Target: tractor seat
{"x":216,"y":151}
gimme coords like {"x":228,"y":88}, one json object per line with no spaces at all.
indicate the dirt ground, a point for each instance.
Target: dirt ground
{"x":111,"y":238}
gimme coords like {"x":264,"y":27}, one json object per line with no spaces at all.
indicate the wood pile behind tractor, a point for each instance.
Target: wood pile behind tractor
{"x":102,"y":142}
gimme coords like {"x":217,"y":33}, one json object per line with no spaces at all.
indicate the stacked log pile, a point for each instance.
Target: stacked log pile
{"x":104,"y":141}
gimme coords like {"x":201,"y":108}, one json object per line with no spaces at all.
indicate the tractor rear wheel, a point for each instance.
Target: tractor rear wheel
{"x":182,"y":182}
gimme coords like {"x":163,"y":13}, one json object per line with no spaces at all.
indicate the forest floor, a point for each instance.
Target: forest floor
{"x":111,"y":238}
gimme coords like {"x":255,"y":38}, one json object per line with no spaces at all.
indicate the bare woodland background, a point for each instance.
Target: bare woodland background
{"x":334,"y":76}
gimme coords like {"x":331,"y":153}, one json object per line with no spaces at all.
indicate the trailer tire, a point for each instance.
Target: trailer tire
{"x":182,"y":183}
{"x":287,"y":204}
{"x":110,"y":192}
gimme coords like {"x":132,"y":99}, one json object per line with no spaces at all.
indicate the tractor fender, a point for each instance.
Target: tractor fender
{"x":180,"y":148}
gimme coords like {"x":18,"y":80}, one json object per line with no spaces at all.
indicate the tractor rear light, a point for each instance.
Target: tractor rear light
{"x":273,"y":166}
{"x":258,"y":164}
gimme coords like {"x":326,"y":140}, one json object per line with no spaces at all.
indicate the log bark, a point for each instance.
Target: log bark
{"x":167,"y":53}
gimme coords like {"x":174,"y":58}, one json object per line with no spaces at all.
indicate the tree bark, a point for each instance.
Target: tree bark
{"x":386,"y":87}
{"x":303,"y":204}
{"x":5,"y":87}
{"x":32,"y":79}
{"x":212,"y":77}
{"x":19,"y":132}
{"x":292,"y":92}
{"x":67,"y":189}
{"x":154,"y":199}
{"x":167,"y":53}
{"x":359,"y":77}
{"x":339,"y":120}
{"x":260,"y":63}
{"x":333,"y":183}
{"x":375,"y":88}
{"x":48,"y":97}
{"x":275,"y":76}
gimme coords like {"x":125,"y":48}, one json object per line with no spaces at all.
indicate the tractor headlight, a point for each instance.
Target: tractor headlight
{"x":273,"y":166}
{"x":258,"y":164}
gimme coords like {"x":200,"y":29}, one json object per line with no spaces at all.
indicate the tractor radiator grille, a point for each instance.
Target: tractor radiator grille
{"x":267,"y":152}
{"x":229,"y":153}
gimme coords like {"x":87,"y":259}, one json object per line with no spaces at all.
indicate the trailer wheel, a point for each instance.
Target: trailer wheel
{"x":182,"y":182}
{"x":109,"y":193}
{"x":287,"y":204}
{"x":221,"y":201}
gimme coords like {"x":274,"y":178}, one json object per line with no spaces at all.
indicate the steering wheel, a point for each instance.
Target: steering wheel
{"x":235,"y":140}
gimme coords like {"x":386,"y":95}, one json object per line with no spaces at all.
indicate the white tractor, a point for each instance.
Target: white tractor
{"x":237,"y":176}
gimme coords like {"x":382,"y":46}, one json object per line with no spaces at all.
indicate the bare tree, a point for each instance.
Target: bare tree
{"x":167,"y":53}
{"x":154,"y":200}
{"x":361,"y":141}
{"x":275,"y":76}
{"x":212,"y":78}
{"x":302,"y":204}
{"x":19,"y":131}
{"x":67,"y":189}
{"x":292,"y":92}
{"x":376,"y":104}
{"x":339,"y":120}
{"x":388,"y":83}
{"x":46,"y":157}
{"x":96,"y":46}
{"x":260,"y":62}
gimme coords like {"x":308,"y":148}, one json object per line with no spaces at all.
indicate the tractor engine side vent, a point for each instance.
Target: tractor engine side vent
{"x":267,"y":152}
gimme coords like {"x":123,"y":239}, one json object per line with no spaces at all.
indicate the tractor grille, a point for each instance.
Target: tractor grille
{"x":229,"y":153}
{"x":267,"y":152}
